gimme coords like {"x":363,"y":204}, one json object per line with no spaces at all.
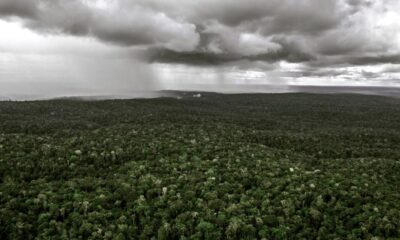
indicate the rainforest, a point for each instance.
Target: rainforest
{"x":201,"y":166}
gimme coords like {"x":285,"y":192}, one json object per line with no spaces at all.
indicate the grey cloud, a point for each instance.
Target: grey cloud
{"x":227,"y":12}
{"x":288,"y":52}
{"x":62,"y":17}
{"x":197,"y":58}
{"x":307,"y":17}
{"x":370,"y":75}
{"x":342,"y":61}
{"x":292,"y":50}
{"x":215,"y":32}
{"x":379,"y":59}
{"x":24,"y":8}
{"x":356,"y":4}
{"x":392,"y":69}
{"x":350,"y":60}
{"x":129,"y":27}
{"x":323,"y":73}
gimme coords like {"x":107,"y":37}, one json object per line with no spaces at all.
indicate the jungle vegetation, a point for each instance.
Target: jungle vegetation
{"x":240,"y":166}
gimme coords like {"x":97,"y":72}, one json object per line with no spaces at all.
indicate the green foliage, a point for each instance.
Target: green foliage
{"x":292,"y":166}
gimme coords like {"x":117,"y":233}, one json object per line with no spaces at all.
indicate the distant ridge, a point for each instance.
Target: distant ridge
{"x":224,"y":89}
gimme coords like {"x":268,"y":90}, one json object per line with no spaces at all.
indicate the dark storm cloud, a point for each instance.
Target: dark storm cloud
{"x":192,"y":58}
{"x":371,"y":60}
{"x":354,"y":60}
{"x":21,"y":8}
{"x":115,"y":23}
{"x":288,"y":52}
{"x":216,"y":32}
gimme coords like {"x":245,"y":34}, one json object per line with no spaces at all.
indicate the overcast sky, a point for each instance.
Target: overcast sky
{"x":118,"y":46}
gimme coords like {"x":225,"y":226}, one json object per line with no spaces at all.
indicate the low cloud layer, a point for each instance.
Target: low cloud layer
{"x":325,"y":37}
